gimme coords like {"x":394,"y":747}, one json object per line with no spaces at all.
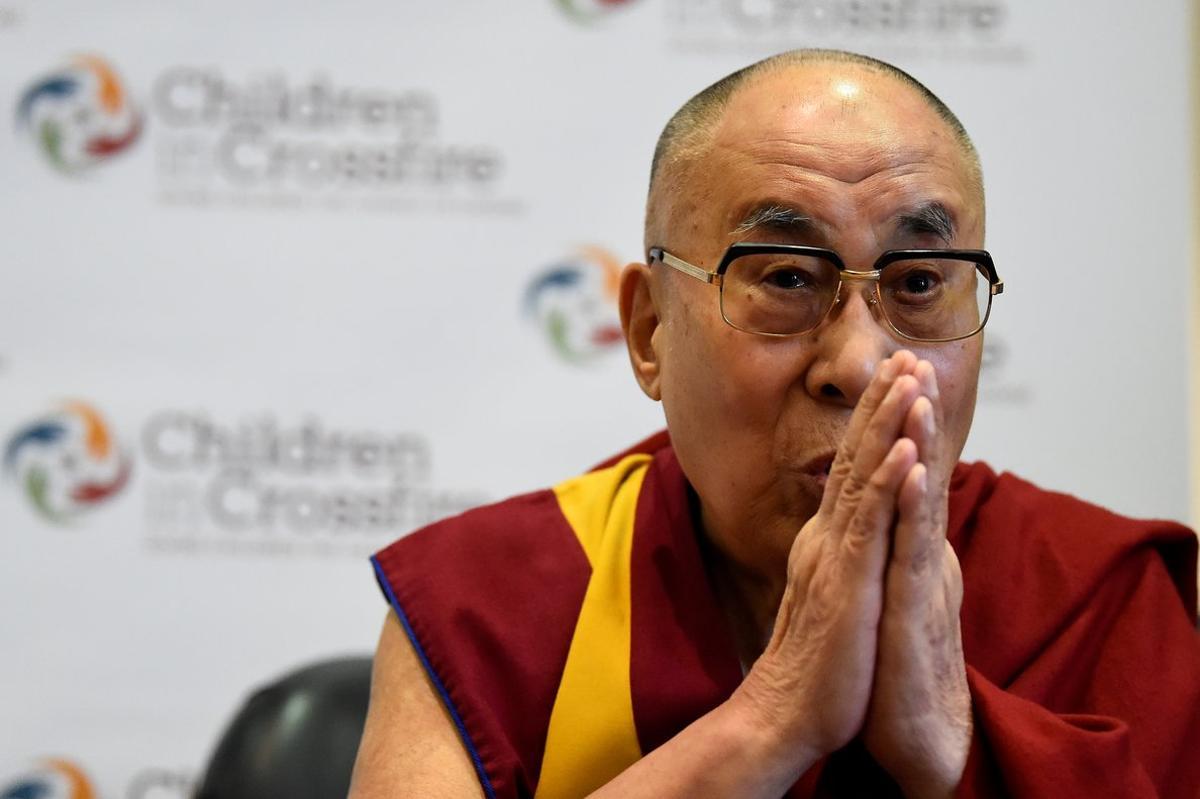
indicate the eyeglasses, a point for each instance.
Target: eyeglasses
{"x":788,"y":289}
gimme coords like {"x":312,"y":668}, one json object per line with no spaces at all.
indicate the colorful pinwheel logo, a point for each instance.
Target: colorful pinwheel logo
{"x":80,"y":115}
{"x":50,"y":779}
{"x":590,"y":10}
{"x":66,"y":462}
{"x":575,"y":303}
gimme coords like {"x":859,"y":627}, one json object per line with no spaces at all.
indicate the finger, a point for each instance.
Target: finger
{"x":927,"y":377}
{"x":925,"y":373}
{"x":889,"y":369}
{"x":919,"y":425}
{"x":885,"y":424}
{"x":866,"y":539}
{"x":924,"y":425}
{"x":849,"y":479}
{"x":914,"y":567}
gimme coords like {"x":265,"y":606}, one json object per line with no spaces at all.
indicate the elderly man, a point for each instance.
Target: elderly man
{"x":801,"y":591}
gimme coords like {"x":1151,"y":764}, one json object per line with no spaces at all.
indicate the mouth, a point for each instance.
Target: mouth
{"x":818,"y":468}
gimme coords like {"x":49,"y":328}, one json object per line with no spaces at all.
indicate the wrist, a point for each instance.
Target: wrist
{"x":938,"y":777}
{"x":764,"y":718}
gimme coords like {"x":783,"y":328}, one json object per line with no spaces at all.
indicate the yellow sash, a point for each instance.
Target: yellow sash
{"x":592,"y":737}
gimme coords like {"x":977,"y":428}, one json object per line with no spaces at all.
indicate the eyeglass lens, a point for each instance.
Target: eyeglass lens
{"x":923,"y":298}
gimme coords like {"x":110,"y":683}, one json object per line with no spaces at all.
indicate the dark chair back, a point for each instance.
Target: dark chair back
{"x":295,"y":738}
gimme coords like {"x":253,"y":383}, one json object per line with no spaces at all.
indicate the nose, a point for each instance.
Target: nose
{"x":849,"y":345}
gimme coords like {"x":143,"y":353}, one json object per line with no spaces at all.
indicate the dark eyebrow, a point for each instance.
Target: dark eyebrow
{"x":774,"y":216}
{"x":932,"y":217}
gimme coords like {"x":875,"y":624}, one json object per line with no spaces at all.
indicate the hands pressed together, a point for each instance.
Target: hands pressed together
{"x":867,"y":641}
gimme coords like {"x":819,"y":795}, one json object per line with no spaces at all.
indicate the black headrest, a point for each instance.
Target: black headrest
{"x":295,"y":738}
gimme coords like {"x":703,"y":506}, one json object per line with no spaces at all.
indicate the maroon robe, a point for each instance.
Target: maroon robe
{"x":1078,"y":630}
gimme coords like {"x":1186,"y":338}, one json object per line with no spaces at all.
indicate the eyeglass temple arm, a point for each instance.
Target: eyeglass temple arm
{"x":660,"y":254}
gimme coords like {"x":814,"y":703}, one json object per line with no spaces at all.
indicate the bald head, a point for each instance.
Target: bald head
{"x":689,"y":134}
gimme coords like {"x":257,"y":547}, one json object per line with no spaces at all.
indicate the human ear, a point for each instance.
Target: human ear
{"x":639,"y":320}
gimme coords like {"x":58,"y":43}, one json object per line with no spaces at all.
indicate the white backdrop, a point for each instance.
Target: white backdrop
{"x":325,"y":275}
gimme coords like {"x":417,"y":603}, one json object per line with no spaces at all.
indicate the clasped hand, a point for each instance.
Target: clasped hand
{"x":867,"y":639}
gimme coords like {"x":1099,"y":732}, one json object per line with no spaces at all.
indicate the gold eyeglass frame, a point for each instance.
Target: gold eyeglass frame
{"x":981,"y":258}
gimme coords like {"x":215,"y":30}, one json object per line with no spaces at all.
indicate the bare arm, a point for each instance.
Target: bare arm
{"x":410,"y":747}
{"x":725,"y":752}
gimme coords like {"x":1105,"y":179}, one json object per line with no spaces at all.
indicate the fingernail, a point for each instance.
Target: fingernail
{"x":922,"y":477}
{"x":931,"y":379}
{"x":888,"y":369}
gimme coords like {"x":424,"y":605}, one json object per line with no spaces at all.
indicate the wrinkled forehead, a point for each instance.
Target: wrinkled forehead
{"x":843,"y":140}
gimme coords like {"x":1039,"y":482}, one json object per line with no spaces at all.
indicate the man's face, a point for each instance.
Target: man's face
{"x":755,"y":420}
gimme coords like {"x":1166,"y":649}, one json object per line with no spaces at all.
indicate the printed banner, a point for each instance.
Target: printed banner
{"x":283,"y":285}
